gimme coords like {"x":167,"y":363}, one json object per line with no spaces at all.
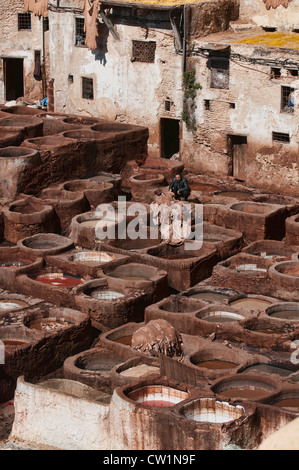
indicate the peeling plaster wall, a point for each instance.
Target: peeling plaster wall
{"x":19,"y":44}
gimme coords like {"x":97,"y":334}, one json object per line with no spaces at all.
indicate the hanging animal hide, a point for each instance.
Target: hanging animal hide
{"x":90,"y":23}
{"x":39,"y":7}
{"x":275,"y":3}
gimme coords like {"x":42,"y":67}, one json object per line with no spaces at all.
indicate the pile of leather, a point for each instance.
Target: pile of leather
{"x":158,"y":338}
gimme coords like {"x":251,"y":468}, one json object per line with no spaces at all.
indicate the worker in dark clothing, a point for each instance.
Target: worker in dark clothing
{"x":180,"y":187}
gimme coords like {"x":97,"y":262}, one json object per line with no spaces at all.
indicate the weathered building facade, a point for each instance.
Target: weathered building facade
{"x":23,"y":46}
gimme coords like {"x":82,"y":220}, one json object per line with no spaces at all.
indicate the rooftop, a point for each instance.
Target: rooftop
{"x":255,"y":38}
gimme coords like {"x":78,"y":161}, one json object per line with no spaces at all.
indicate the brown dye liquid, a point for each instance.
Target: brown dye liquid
{"x":243,"y":392}
{"x":251,"y":304}
{"x":12,"y":344}
{"x":124,"y":340}
{"x":291,"y":404}
{"x":212,"y":296}
{"x":240,"y":195}
{"x":216,"y":365}
{"x":286,"y":315}
{"x":203,"y":187}
{"x":158,"y":403}
{"x":134,"y":278}
{"x":178,"y":256}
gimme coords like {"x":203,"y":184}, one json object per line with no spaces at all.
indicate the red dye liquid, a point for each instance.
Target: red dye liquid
{"x":59,"y":281}
{"x":158,"y":403}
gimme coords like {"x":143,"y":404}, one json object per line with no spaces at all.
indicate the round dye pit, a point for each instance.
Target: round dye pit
{"x":219,"y":316}
{"x":266,"y":369}
{"x":59,"y":280}
{"x":91,"y":258}
{"x":50,"y":324}
{"x":139,"y":371}
{"x":252,"y":208}
{"x":11,"y":304}
{"x":251,"y":303}
{"x":209,"y":296}
{"x":244,"y":387}
{"x":216,"y":365}
{"x":290,"y":269}
{"x":210,"y":410}
{"x":84,"y":121}
{"x":76,"y":389}
{"x":177,"y":305}
{"x":45,"y":243}
{"x":11,"y":344}
{"x":239,"y":195}
{"x":284,"y":311}
{"x":158,"y":396}
{"x":133,"y":272}
{"x":97,"y":361}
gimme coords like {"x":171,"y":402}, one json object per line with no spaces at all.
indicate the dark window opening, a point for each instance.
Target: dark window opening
{"x":143,"y":51}
{"x":207,"y":105}
{"x":167,"y":105}
{"x":79,"y":32}
{"x":275,"y":73}
{"x":70,"y":78}
{"x":46,"y":23}
{"x":296,"y":30}
{"x":293,"y":72}
{"x":269,"y":29}
{"x":287,"y":99}
{"x":219,"y":66}
{"x":170,"y":137}
{"x":87,"y":88}
{"x":280,"y":137}
{"x":232,"y":105}
{"x":24,"y":21}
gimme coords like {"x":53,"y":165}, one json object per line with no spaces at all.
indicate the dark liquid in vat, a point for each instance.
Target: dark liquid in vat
{"x":124,"y":340}
{"x":216,"y":365}
{"x":291,"y":404}
{"x":244,"y":392}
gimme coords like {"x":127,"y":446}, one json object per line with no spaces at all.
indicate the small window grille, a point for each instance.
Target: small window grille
{"x":143,"y":51}
{"x":275,"y":73}
{"x":87,"y":88}
{"x":219,"y":72}
{"x":79,"y":32}
{"x":280,"y":137}
{"x":287,"y":99}
{"x":24,"y":21}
